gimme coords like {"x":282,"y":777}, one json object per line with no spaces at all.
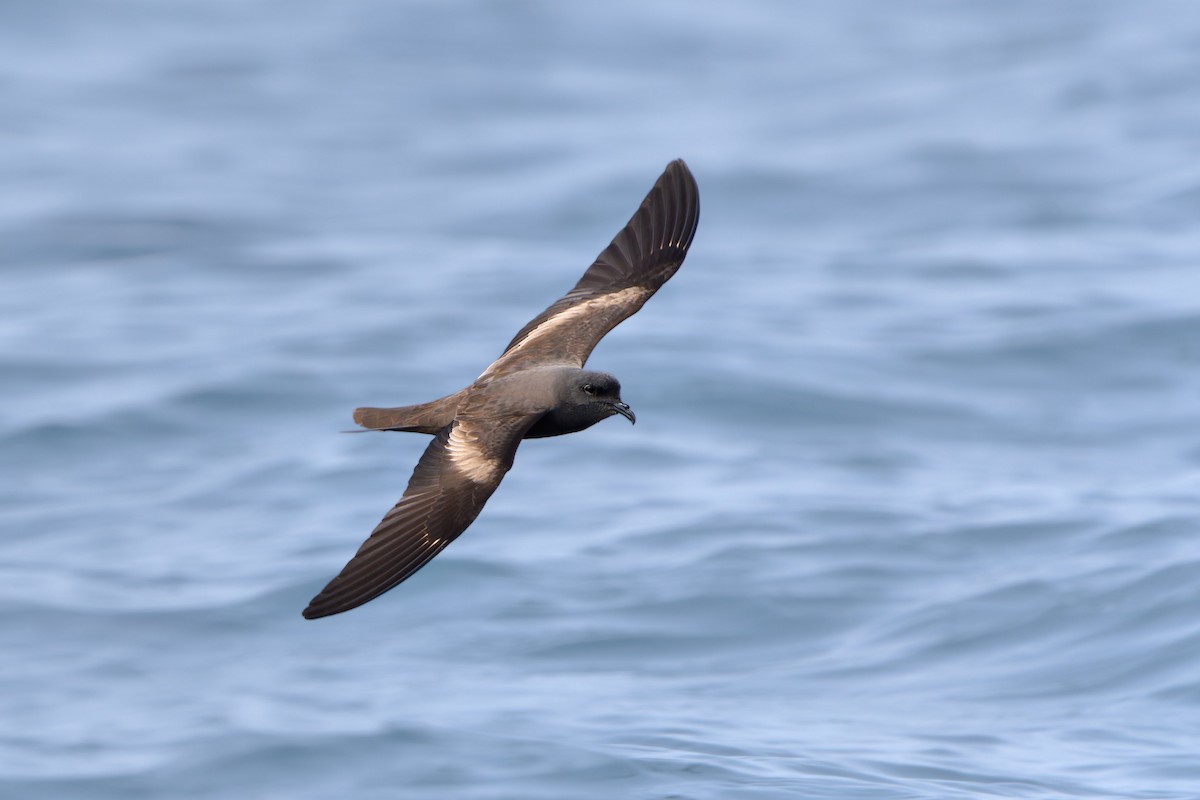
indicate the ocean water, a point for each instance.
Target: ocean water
{"x":911,"y":509}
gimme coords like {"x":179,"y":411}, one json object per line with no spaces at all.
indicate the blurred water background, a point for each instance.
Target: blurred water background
{"x":911,"y":508}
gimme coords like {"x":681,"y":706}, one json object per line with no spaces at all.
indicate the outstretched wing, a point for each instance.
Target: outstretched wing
{"x":456,"y":475}
{"x":647,"y":252}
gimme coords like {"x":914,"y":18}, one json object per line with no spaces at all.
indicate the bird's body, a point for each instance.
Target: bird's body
{"x":537,"y":388}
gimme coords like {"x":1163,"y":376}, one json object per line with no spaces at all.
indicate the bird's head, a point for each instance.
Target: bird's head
{"x":599,"y":394}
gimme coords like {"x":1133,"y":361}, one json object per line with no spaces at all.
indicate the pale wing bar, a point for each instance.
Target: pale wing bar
{"x":640,"y":259}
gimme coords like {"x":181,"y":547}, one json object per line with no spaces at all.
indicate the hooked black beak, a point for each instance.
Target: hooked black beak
{"x":625,"y":411}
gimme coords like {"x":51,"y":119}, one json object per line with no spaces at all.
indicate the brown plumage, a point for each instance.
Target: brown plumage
{"x":537,"y":387}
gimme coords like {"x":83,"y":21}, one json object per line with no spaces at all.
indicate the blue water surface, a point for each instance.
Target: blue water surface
{"x":911,"y":509}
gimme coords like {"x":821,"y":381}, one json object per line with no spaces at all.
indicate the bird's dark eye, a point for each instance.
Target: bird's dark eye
{"x":588,"y":388}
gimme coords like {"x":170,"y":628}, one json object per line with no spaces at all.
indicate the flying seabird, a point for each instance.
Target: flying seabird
{"x":537,"y":387}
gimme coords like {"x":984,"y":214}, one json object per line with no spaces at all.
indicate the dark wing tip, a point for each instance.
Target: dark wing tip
{"x":689,"y":197}
{"x":364,"y":580}
{"x":337,"y":597}
{"x":399,"y":546}
{"x":325,"y":606}
{"x":656,"y":238}
{"x":678,"y":180}
{"x":667,"y":218}
{"x":385,"y":561}
{"x":327,"y":603}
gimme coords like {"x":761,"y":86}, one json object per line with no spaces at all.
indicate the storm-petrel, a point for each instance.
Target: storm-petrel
{"x":538,"y":387}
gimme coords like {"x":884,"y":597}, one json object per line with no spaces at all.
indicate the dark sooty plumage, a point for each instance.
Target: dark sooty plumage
{"x":538,"y":387}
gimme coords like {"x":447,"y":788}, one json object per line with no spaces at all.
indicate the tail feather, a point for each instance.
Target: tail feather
{"x":428,"y":417}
